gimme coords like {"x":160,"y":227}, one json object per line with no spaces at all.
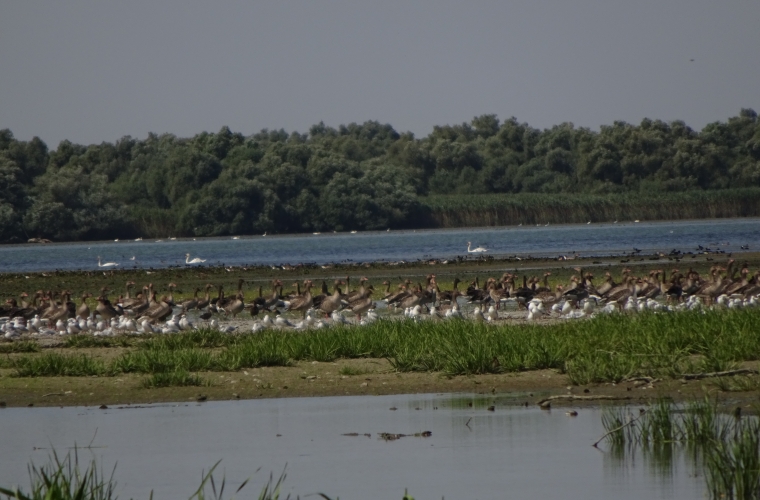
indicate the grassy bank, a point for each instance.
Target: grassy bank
{"x":609,"y":348}
{"x":534,"y":208}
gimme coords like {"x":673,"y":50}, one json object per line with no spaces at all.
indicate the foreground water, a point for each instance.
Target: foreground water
{"x":591,"y":239}
{"x":473,"y":453}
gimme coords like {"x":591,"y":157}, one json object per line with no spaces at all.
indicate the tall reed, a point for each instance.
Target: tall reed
{"x":727,"y":447}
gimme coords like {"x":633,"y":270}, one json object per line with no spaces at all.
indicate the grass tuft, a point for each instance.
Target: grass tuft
{"x":174,"y":379}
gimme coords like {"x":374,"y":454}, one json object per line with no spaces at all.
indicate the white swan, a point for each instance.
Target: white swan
{"x":196,"y":260}
{"x":475,"y":250}
{"x":106,"y":264}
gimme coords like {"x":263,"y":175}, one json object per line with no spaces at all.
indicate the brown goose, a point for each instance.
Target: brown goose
{"x":334,"y":301}
{"x":302,"y":302}
{"x":205,"y":301}
{"x":401,"y":294}
{"x":105,"y":309}
{"x":361,"y":306}
{"x":128,"y":300}
{"x":360,"y":294}
{"x":84,"y":310}
{"x":142,"y":306}
{"x":448,"y":295}
{"x":545,"y":287}
{"x":236,"y":305}
{"x":158,"y":310}
{"x":191,"y":304}
{"x":496,"y":294}
{"x":322,"y":296}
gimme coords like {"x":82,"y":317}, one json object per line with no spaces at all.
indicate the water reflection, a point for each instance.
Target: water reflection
{"x":512,"y":451}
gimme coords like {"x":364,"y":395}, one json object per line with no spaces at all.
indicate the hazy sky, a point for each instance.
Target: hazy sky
{"x":92,"y":71}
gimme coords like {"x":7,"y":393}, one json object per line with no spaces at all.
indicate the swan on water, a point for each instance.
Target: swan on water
{"x":196,"y":260}
{"x":475,"y":250}
{"x":106,"y":264}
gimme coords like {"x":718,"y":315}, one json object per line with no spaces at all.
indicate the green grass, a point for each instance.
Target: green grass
{"x":609,"y":348}
{"x":52,"y":364}
{"x":351,"y":371}
{"x":22,"y":346}
{"x":174,"y":379}
{"x":727,"y":448}
{"x":64,"y":479}
{"x":85,"y":341}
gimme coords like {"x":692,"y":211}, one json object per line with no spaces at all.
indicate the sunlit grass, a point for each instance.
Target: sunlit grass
{"x":608,"y":348}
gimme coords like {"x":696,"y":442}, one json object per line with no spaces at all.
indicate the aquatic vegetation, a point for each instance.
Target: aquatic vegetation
{"x":726,"y":446}
{"x":64,"y":479}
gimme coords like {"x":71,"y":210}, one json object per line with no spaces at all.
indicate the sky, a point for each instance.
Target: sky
{"x":93,"y":70}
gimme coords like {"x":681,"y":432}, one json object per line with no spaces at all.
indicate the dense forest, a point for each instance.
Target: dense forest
{"x":366,"y":176}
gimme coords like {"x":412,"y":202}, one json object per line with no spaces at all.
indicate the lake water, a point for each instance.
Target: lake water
{"x":473,"y":453}
{"x":591,"y":239}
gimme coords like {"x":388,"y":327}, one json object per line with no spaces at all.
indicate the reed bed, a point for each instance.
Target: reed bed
{"x":727,"y":447}
{"x":608,"y":348}
{"x":536,"y":208}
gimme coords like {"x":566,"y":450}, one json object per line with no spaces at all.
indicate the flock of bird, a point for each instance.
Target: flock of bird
{"x":48,"y":313}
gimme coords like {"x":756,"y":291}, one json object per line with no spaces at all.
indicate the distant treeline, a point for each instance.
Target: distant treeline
{"x":369,"y":176}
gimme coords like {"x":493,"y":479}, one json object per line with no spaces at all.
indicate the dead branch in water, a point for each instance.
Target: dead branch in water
{"x":571,"y":397}
{"x":643,"y":412}
{"x":728,"y":373}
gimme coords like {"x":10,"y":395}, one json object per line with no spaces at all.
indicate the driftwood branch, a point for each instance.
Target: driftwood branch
{"x":728,"y":373}
{"x":618,"y":428}
{"x":648,"y":380}
{"x":545,"y":403}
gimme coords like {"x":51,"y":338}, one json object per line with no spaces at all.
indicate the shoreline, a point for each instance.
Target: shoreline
{"x":374,"y":377}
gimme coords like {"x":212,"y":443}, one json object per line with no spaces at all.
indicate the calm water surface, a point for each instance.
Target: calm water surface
{"x":514,"y":452}
{"x":592,"y":239}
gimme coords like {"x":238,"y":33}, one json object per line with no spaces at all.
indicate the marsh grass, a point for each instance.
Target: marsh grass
{"x":174,"y":379}
{"x":732,"y":466}
{"x":85,"y":341}
{"x":737,"y":384}
{"x":64,"y":479}
{"x":608,"y":348}
{"x":23,"y":346}
{"x":728,"y":448}
{"x":52,"y":364}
